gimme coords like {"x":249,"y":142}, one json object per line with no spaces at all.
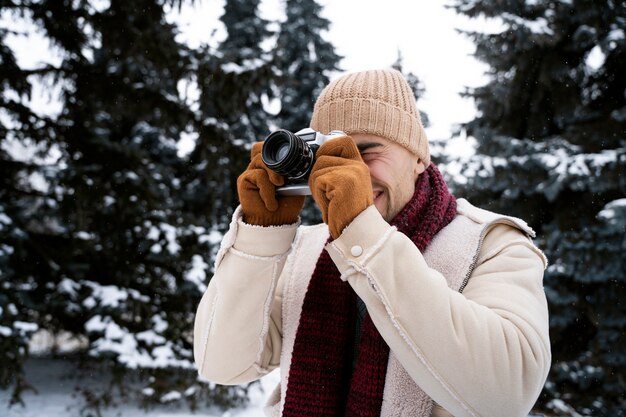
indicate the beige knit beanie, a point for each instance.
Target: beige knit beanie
{"x":379,"y":102}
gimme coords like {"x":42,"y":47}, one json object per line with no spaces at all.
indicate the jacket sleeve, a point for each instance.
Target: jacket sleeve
{"x":237,"y":329}
{"x":485,"y":352}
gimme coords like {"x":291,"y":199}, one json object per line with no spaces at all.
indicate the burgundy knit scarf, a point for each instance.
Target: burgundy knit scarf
{"x":322,"y":381}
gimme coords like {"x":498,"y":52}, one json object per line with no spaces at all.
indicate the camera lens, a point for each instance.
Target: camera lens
{"x":287,"y":154}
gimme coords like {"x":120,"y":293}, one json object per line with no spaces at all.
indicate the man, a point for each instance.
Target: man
{"x":405,"y":302}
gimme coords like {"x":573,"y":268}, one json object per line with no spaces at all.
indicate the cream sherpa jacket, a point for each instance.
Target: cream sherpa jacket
{"x":484,"y":351}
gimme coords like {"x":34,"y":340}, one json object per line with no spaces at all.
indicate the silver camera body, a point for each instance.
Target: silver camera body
{"x":292,"y":155}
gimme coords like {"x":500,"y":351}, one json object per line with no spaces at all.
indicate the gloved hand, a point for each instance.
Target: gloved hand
{"x":340,"y":183}
{"x":256,"y":187}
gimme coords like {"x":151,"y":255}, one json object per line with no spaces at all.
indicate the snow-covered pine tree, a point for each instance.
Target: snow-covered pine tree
{"x":108,"y":252}
{"x":246,"y":67}
{"x":27,"y":157}
{"x":232,"y":80}
{"x":415,"y":83}
{"x":303,"y":62}
{"x":551,"y":133}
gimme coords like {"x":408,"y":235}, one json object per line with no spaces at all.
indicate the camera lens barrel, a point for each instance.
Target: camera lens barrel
{"x":286,"y":154}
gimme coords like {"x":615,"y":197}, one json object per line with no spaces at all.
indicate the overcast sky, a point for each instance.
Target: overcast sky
{"x":369,"y":33}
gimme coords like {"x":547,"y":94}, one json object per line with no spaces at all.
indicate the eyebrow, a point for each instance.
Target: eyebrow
{"x":363,"y":146}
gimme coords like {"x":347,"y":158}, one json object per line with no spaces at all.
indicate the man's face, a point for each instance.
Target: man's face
{"x":393,"y":171}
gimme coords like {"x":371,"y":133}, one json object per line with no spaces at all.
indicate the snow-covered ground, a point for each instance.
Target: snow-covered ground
{"x":57,"y":396}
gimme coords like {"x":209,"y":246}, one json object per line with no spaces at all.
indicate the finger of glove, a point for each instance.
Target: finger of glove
{"x":341,"y":185}
{"x":327,"y":161}
{"x":274,"y":178}
{"x":322,"y":202}
{"x":257,"y":181}
{"x":341,"y":194}
{"x":349,"y":177}
{"x":257,"y":147}
{"x":343,"y":147}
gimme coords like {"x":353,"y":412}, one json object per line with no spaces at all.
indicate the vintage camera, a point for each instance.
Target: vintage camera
{"x":292,"y":155}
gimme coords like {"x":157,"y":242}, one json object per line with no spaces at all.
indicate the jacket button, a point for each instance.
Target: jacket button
{"x":356,"y":250}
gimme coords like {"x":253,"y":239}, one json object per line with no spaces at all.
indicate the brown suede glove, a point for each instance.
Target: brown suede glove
{"x":256,"y":187}
{"x":340,"y":183}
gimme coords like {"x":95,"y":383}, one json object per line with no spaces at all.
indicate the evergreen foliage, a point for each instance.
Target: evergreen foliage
{"x":246,"y":68}
{"x":234,"y":80}
{"x":303,"y":61}
{"x":551,"y":132}
{"x":27,"y":152}
{"x":415,"y":83}
{"x":105,"y":250}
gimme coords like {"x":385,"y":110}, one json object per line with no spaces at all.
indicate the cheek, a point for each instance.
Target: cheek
{"x":379,"y":174}
{"x":402,"y":184}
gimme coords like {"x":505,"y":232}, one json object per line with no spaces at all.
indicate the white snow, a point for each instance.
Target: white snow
{"x":108,"y":200}
{"x":609,"y":212}
{"x":68,"y":286}
{"x":170,"y":235}
{"x":186,"y":143}
{"x":561,"y":406}
{"x":43,"y":342}
{"x":119,"y":340}
{"x":25,"y":327}
{"x":247,"y":65}
{"x":197,"y":272}
{"x":84,"y":235}
{"x":156,"y":248}
{"x":171,"y":396}
{"x":153,"y":233}
{"x":169,"y":232}
{"x":213,"y":238}
{"x":189,"y":91}
{"x":212,"y":121}
{"x":564,"y":164}
{"x":56,"y":396}
{"x":106,"y":295}
{"x":99,"y":5}
{"x":131,"y":175}
{"x":6,"y":249}
{"x":160,"y":325}
{"x":5,"y":219}
{"x":272,"y":106}
{"x":557,"y":268}
{"x":538,"y":26}
{"x":595,"y":59}
{"x":95,"y":324}
{"x":614,"y":36}
{"x":38,"y":182}
{"x":29,"y":151}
